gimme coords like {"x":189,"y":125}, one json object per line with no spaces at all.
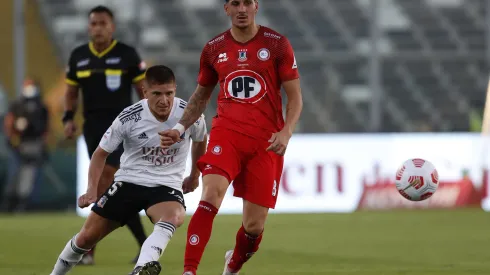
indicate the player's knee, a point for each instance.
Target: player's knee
{"x":86,"y":239}
{"x":214,"y":190}
{"x":176,"y":218}
{"x":254,"y":227}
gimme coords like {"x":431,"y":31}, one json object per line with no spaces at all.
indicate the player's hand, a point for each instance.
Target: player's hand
{"x":279,"y":142}
{"x":87,"y":198}
{"x":190,"y":184}
{"x":70,"y":129}
{"x":169,"y":137}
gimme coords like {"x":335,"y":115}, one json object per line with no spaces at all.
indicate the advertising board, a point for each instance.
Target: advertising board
{"x":331,"y":172}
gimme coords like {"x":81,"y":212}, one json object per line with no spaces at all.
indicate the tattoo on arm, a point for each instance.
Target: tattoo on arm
{"x":196,"y":106}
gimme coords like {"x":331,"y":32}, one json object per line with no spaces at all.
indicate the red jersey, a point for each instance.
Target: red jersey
{"x":250,"y":76}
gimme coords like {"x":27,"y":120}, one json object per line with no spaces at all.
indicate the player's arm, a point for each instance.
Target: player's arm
{"x":199,"y":138}
{"x":194,"y":109}
{"x":138,"y":86}
{"x":97,"y":163}
{"x":111,"y":140}
{"x":196,"y":105}
{"x":71,"y":91}
{"x":70,"y":98}
{"x":288,"y":73}
{"x":137,"y":71}
{"x":197,"y":151}
{"x":294,"y":104}
{"x":207,"y":80}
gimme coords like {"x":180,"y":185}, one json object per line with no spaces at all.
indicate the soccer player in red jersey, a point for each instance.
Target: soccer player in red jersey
{"x":249,"y":136}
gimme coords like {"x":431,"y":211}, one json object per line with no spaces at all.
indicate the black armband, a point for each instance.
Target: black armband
{"x":67,"y":116}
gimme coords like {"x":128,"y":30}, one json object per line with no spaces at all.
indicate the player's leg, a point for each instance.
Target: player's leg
{"x":258,"y":186}
{"x":167,"y":211}
{"x":94,"y":229}
{"x":105,"y":181}
{"x":92,"y":133}
{"x":201,"y":223}
{"x":248,"y":237}
{"x":219,"y":166}
{"x":134,"y":223}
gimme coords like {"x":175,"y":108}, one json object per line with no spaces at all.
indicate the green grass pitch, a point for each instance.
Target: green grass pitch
{"x":429,"y":242}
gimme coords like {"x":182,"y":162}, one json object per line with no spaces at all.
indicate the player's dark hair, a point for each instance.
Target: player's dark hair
{"x":159,"y":74}
{"x":102,"y":9}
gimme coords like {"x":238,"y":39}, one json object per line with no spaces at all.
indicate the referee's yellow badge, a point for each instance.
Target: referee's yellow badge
{"x":113,"y":79}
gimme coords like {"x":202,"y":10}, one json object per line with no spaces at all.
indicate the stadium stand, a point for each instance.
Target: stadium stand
{"x":432,"y":53}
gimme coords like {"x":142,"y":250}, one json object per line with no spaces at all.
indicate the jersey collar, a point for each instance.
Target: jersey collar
{"x":101,"y":54}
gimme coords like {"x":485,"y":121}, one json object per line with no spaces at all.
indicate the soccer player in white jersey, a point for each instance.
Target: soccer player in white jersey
{"x":149,"y":178}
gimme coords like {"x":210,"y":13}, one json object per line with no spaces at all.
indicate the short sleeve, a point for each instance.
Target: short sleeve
{"x":198,"y":130}
{"x":113,"y":137}
{"x":207,"y":75}
{"x":137,"y":67}
{"x":286,"y":61}
{"x":71,"y":71}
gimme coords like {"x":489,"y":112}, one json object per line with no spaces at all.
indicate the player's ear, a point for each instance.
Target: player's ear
{"x":113,"y":27}
{"x":225,"y":7}
{"x":256,"y":6}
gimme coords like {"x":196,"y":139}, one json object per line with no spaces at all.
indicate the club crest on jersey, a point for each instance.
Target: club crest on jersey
{"x":245,"y":86}
{"x":242,"y":55}
{"x":217,"y":150}
{"x":263,"y":54}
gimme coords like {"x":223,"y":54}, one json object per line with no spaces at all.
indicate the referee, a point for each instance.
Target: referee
{"x":105,"y":70}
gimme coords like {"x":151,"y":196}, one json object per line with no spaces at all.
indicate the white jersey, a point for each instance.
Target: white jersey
{"x":144,"y":162}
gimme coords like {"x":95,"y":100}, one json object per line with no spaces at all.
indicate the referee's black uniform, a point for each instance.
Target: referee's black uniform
{"x":106,"y":80}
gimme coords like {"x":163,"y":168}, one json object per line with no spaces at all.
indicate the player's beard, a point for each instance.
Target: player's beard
{"x":245,"y":25}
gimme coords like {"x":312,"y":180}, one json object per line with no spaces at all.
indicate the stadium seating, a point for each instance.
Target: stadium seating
{"x":432,"y":53}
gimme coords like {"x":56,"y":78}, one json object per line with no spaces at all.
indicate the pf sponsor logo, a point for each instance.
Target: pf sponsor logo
{"x":194,"y":239}
{"x":245,"y":86}
{"x":217,"y":150}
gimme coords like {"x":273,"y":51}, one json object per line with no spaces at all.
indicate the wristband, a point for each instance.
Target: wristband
{"x":67,"y":116}
{"x":179,"y":127}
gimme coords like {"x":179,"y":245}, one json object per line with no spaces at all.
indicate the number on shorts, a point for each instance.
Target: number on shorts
{"x":114,"y":187}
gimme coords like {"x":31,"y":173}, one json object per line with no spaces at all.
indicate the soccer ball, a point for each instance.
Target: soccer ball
{"x":417,"y":179}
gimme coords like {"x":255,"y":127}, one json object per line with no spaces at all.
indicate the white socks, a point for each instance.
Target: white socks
{"x":156,"y":243}
{"x":69,"y":257}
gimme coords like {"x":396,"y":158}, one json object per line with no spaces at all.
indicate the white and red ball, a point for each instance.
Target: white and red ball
{"x":417,"y":179}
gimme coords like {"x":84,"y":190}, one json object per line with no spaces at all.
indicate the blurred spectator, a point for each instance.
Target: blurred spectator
{"x":3,"y":101}
{"x":25,"y":127}
{"x":423,"y":126}
{"x":476,"y":115}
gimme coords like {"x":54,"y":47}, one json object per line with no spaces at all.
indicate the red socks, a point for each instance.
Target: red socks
{"x":246,"y":246}
{"x":198,"y":235}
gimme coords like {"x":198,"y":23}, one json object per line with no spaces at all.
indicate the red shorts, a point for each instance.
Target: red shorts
{"x":255,"y":172}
